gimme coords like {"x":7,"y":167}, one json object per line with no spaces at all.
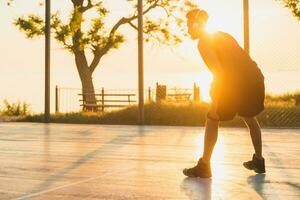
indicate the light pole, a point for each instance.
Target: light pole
{"x":246,"y":26}
{"x":140,"y":63}
{"x":47,"y":61}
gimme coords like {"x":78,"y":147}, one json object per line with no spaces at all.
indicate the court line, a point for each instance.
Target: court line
{"x":107,"y":147}
{"x":78,"y":182}
{"x":71,"y":184}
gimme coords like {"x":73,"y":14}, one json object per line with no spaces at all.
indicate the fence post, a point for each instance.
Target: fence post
{"x":56,"y":99}
{"x":196,"y":93}
{"x":161,"y":92}
{"x":149,"y":94}
{"x":102,"y":95}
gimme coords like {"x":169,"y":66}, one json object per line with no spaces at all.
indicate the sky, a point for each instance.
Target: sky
{"x":274,"y":45}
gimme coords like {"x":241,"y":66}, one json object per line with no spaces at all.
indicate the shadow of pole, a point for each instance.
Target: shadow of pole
{"x":47,"y":131}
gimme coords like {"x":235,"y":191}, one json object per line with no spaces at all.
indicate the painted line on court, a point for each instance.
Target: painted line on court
{"x":78,"y":182}
{"x":71,"y":184}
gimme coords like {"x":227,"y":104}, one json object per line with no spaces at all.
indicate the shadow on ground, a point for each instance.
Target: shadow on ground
{"x":197,"y":188}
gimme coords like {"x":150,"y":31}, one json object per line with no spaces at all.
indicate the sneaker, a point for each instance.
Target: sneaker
{"x":201,"y":170}
{"x":258,"y":165}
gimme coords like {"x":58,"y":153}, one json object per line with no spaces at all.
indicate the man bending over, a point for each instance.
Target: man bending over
{"x":237,"y":88}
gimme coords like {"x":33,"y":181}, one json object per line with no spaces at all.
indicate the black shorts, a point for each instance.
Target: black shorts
{"x":245,"y":98}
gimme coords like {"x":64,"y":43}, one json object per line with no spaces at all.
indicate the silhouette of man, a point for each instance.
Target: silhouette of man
{"x":237,"y":88}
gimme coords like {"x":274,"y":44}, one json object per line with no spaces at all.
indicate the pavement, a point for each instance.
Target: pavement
{"x":65,"y":161}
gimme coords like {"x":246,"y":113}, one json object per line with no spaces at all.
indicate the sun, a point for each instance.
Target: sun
{"x":211,"y":27}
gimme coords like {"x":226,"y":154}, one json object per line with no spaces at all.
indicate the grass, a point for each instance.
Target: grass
{"x":188,"y":114}
{"x":12,"y":111}
{"x":15,"y":108}
{"x":288,"y":99}
{"x":280,"y":111}
{"x":155,"y":114}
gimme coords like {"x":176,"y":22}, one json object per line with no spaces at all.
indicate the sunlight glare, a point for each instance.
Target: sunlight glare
{"x":205,"y":79}
{"x":211,"y":27}
{"x":217,"y":159}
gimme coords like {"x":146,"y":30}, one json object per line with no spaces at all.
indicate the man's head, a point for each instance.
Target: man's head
{"x":196,"y":21}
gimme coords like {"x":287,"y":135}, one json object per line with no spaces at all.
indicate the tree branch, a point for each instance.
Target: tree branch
{"x":87,"y":7}
{"x":132,"y":25}
{"x":144,"y":12}
{"x":95,"y":62}
{"x":98,"y":53}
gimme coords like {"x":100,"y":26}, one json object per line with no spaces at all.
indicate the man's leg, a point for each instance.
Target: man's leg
{"x":210,"y":138}
{"x":258,"y":162}
{"x":202,"y":169}
{"x":255,"y":133}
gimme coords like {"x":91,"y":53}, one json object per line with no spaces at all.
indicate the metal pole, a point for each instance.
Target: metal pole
{"x":56,"y":99}
{"x":246,"y":27}
{"x":140,"y":63}
{"x":149,"y":94}
{"x":47,"y":61}
{"x":102,"y":95}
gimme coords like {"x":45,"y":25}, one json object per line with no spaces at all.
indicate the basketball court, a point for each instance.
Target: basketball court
{"x":58,"y":161}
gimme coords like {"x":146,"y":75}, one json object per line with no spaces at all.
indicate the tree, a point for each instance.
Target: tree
{"x":98,"y":39}
{"x":294,"y":6}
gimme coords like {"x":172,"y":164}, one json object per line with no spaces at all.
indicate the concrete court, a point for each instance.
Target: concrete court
{"x":58,"y":161}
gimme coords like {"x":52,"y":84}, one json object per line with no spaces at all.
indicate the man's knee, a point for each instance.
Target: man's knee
{"x":251,"y":121}
{"x":212,"y":122}
{"x":213,"y":116}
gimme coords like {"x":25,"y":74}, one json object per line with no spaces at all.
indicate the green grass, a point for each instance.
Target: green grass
{"x":189,"y":114}
{"x":13,"y":109}
{"x":288,"y":99}
{"x":155,"y":114}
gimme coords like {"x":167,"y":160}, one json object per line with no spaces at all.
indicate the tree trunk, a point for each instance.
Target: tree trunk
{"x":88,"y":91}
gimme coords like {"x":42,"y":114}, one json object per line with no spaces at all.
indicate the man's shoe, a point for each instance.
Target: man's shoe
{"x":258,"y":165}
{"x":201,"y":170}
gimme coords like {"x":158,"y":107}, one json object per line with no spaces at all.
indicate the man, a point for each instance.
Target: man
{"x":238,"y":88}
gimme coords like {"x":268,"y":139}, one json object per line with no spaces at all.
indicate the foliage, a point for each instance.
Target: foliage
{"x":98,"y":37}
{"x":285,"y":100}
{"x":81,"y":35}
{"x":294,"y":6}
{"x":15,"y":109}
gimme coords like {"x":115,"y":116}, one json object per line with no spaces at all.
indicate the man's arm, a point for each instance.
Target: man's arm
{"x":210,"y":58}
{"x":207,"y":52}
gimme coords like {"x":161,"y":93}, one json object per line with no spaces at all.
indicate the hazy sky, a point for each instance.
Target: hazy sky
{"x":275,"y":39}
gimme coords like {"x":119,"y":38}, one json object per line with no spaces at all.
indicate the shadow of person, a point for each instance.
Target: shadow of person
{"x":257,"y":182}
{"x":197,"y":188}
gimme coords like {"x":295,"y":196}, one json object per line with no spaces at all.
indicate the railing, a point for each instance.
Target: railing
{"x":71,"y":99}
{"x":101,"y":103}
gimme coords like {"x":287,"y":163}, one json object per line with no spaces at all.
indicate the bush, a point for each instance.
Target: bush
{"x":15,"y":108}
{"x":284,"y":100}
